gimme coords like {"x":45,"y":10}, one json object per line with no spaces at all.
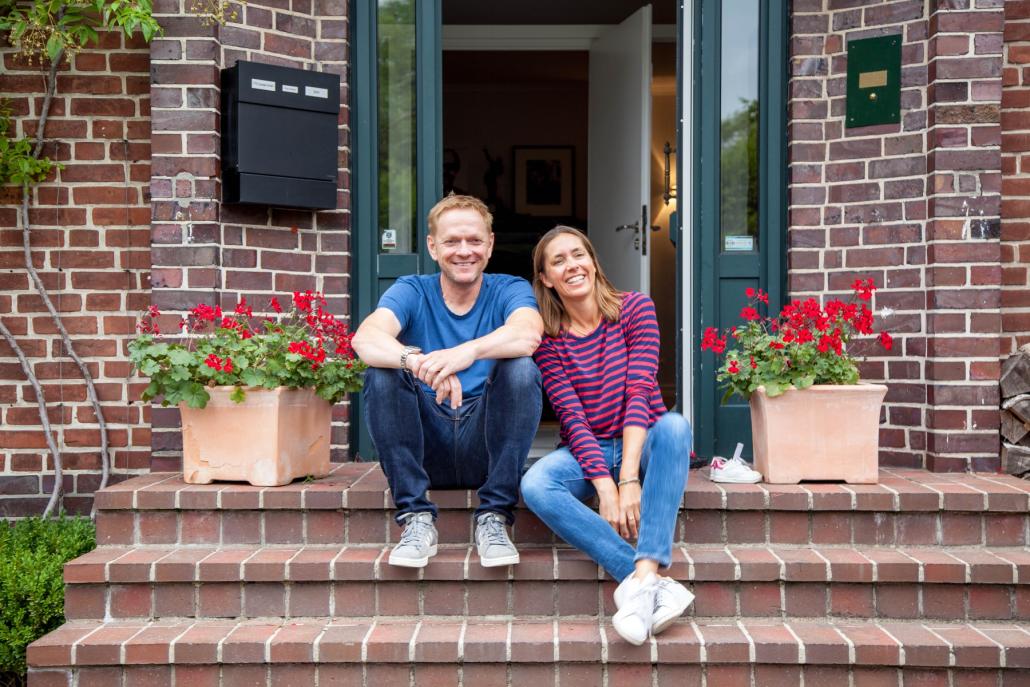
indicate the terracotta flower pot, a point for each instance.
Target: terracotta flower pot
{"x":824,"y":432}
{"x":272,"y":438}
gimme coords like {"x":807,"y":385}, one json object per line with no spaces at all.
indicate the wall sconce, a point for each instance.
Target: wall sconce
{"x":670,"y":190}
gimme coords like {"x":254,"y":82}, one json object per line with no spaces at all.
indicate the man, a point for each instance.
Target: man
{"x":452,"y":396}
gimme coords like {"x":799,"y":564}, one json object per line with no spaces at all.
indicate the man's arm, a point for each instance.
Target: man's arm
{"x":376,"y":342}
{"x":519,"y":336}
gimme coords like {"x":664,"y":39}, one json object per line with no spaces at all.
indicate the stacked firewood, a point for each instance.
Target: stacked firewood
{"x":1015,"y":413}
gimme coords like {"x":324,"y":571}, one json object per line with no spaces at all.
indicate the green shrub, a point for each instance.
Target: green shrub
{"x":32,"y":556}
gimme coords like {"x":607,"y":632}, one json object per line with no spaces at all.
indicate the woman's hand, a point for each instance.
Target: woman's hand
{"x":629,"y":510}
{"x":608,"y":497}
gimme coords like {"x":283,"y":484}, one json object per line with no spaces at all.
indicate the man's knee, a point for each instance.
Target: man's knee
{"x":380,"y":380}
{"x":518,"y":373}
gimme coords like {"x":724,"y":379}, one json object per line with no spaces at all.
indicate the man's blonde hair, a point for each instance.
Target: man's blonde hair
{"x":453,"y":201}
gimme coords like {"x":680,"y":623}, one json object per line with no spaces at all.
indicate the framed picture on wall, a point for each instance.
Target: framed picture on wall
{"x":544,"y":180}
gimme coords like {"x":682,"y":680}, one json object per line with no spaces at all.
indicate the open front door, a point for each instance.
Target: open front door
{"x":619,"y":140}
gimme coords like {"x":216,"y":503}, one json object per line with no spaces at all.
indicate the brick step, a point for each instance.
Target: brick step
{"x":151,"y":582}
{"x":353,"y":506}
{"x":503,"y":652}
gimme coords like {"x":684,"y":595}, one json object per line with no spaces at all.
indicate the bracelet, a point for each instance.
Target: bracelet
{"x":635,"y":480}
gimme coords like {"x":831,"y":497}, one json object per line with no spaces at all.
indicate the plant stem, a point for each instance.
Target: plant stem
{"x":66,"y":340}
{"x":44,"y":419}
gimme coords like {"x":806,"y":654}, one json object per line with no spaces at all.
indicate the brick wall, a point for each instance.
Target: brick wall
{"x":91,"y":243}
{"x":204,"y":251}
{"x":914,"y":206}
{"x":1015,"y":144}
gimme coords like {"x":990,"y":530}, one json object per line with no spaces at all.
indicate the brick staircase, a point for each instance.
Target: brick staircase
{"x":922,"y":580}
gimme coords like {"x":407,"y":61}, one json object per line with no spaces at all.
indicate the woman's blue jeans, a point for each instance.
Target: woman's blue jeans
{"x":482,"y":445}
{"x":555,"y":489}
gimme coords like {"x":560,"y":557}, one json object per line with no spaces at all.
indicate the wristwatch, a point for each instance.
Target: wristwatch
{"x":408,"y":350}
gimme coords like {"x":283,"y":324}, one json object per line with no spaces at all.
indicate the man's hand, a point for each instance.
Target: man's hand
{"x":608,"y":497}
{"x":433,"y":368}
{"x":629,"y":510}
{"x":449,"y":388}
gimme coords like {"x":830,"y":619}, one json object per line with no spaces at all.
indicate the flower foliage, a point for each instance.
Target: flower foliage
{"x":805,"y":345}
{"x":305,"y":347}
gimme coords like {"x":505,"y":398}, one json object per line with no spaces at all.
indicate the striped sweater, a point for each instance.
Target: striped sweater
{"x":605,"y":381}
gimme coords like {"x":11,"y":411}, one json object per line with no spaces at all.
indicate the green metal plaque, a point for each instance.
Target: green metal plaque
{"x":874,"y":81}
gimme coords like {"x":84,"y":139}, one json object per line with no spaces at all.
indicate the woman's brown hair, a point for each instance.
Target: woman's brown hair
{"x":609,"y":299}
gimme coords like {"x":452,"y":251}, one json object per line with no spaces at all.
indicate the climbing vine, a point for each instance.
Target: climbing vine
{"x":47,"y":33}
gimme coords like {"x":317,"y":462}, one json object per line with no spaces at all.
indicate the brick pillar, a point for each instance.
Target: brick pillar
{"x":963,"y":302}
{"x":208,"y":252}
{"x":914,"y":206}
{"x":1015,"y":208}
{"x":858,"y":197}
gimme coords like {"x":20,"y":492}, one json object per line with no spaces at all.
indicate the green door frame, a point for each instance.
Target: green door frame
{"x":371,"y":271}
{"x":772,"y":194}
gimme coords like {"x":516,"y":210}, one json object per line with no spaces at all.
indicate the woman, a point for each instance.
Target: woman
{"x":599,"y":361}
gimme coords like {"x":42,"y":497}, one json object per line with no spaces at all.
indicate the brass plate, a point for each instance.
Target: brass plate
{"x":872,"y":79}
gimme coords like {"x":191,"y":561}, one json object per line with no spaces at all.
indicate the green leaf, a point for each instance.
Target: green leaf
{"x":195,"y":395}
{"x":238,"y":395}
{"x":180,"y":356}
{"x":149,"y":367}
{"x":253,"y":377}
{"x":152,"y":390}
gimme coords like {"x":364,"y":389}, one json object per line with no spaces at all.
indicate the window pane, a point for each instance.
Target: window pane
{"x":739,"y":128}
{"x":396,"y":65}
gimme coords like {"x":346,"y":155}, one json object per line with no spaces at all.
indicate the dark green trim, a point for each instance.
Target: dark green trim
{"x":772,"y":193}
{"x":364,"y":144}
{"x":364,"y":153}
{"x":708,"y":24}
{"x":429,"y":104}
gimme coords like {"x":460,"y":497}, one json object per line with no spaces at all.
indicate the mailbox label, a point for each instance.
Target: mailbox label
{"x":315,"y":92}
{"x":262,"y":85}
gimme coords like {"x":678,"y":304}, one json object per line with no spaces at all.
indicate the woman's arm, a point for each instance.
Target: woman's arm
{"x":582,"y":442}
{"x":640,"y":328}
{"x":573,"y":418}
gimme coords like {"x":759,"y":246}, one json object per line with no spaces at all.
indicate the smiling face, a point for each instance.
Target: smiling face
{"x":568,"y":268}
{"x":461,"y":245}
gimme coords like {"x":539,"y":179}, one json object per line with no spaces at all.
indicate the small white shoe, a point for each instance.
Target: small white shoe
{"x":670,"y":601}
{"x":636,"y":613}
{"x":734,"y":470}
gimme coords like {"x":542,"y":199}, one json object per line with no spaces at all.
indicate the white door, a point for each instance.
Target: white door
{"x":619,"y":142}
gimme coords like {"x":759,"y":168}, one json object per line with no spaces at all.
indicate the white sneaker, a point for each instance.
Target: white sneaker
{"x":636,"y":615}
{"x":734,"y":470}
{"x":671,"y":600}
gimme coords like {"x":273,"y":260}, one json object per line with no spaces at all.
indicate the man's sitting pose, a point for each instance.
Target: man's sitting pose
{"x":452,"y":396}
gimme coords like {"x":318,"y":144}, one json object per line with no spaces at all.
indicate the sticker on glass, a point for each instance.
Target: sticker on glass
{"x":315,"y":92}
{"x":738,"y":243}
{"x":389,"y":239}
{"x":262,"y":85}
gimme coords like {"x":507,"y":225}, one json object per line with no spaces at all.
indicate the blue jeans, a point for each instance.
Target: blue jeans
{"x":555,"y":488}
{"x":482,"y":445}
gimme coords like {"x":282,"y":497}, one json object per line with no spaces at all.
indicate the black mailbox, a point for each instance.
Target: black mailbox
{"x":280,"y":136}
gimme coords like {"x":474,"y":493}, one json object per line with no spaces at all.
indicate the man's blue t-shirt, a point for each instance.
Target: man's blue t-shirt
{"x":426,"y":321}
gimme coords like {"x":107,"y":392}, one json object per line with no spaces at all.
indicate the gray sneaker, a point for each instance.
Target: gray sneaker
{"x":492,"y":542}
{"x":418,"y":541}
